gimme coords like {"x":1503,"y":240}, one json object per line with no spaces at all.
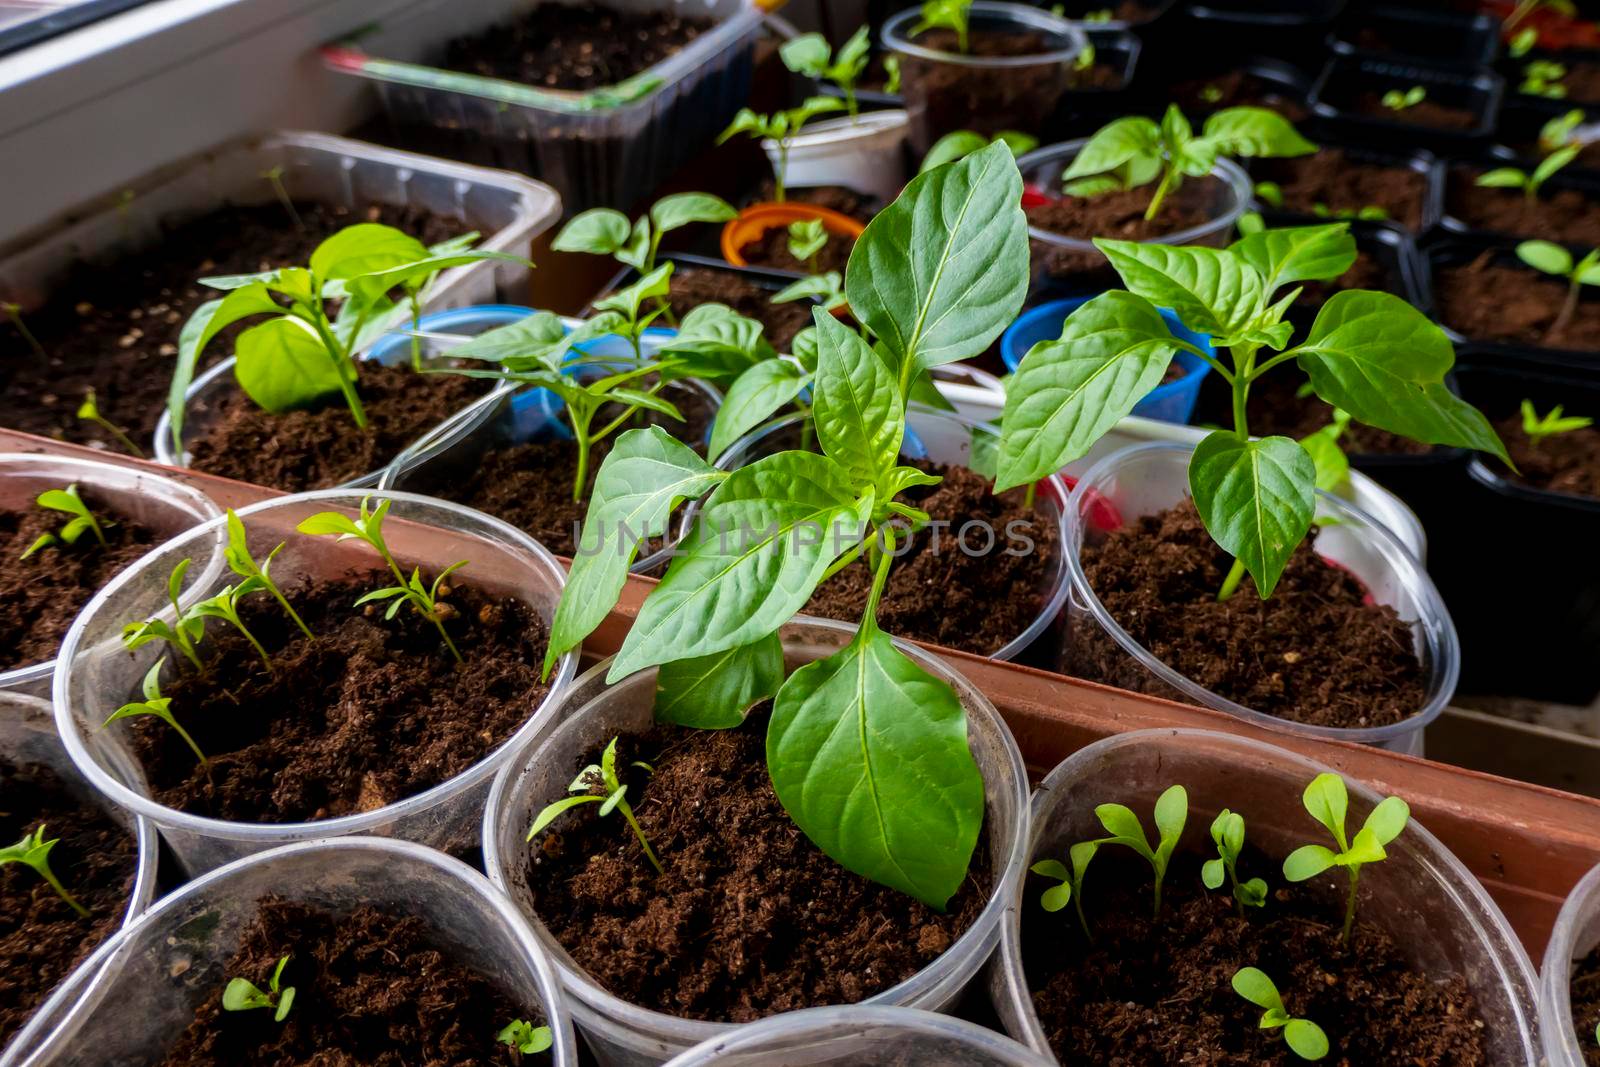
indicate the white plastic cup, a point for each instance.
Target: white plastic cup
{"x":865,"y":154}
{"x":1575,"y":935}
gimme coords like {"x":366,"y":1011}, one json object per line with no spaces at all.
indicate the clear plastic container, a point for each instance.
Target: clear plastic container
{"x":168,"y":507}
{"x":591,"y":711}
{"x":861,"y":1036}
{"x":1576,"y":934}
{"x":982,"y":91}
{"x":1148,"y":479}
{"x":1422,"y":895}
{"x":28,"y":736}
{"x":95,"y":674}
{"x":163,"y":967}
{"x":605,"y":147}
{"x":943,"y":437}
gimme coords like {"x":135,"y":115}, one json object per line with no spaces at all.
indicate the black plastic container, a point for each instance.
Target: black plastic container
{"x":1446,"y":38}
{"x":1284,"y":81}
{"x":1522,"y":121}
{"x":1346,"y":79}
{"x":1291,"y":30}
{"x":1420,"y":162}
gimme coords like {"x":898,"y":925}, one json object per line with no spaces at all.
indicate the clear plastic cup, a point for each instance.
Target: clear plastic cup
{"x":162,"y":968}
{"x":165,"y":506}
{"x":592,"y":711}
{"x":95,"y":674}
{"x":1421,"y":894}
{"x":861,"y":1036}
{"x":1147,"y":479}
{"x":1576,"y":934}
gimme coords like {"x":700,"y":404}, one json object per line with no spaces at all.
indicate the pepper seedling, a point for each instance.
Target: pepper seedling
{"x":34,"y":851}
{"x":14,"y":313}
{"x":182,"y":633}
{"x":1071,"y":882}
{"x":954,"y":15}
{"x":780,"y":126}
{"x":241,"y":994}
{"x":89,"y":411}
{"x":1227,"y":831}
{"x":1550,"y":258}
{"x":237,"y":553}
{"x":613,"y":797}
{"x":1537,"y":427}
{"x":1304,"y":1037}
{"x":368,"y":529}
{"x":225,"y":605}
{"x":809,"y":56}
{"x":1529,"y":183}
{"x":1404,"y":99}
{"x":1543,"y":77}
{"x":1134,"y":151}
{"x":960,"y":144}
{"x":525,"y":1037}
{"x":1327,"y":800}
{"x":1561,"y":131}
{"x":156,"y":705}
{"x":806,"y":239}
{"x":82,"y":521}
{"x":1171,"y":813}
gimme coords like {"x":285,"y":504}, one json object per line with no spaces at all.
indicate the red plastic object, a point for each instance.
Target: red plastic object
{"x":1103,"y":514}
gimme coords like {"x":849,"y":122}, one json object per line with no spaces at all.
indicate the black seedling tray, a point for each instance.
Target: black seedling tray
{"x":1501,"y":156}
{"x":1292,"y":30}
{"x":1154,"y":84}
{"x":1345,"y":78}
{"x":1421,"y":161}
{"x":1446,"y":38}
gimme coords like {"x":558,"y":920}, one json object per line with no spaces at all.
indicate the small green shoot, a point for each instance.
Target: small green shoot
{"x":68,"y":502}
{"x":14,"y":313}
{"x":1071,"y":888}
{"x":1304,"y":1037}
{"x":1542,"y":77}
{"x":960,"y":144}
{"x":1550,"y":258}
{"x":525,"y":1037}
{"x":1270,"y":194}
{"x":809,"y":55}
{"x":1085,"y":59}
{"x":1561,"y":131}
{"x":953,"y":15}
{"x":89,"y":411}
{"x":1530,"y":184}
{"x":1172,"y":811}
{"x":244,"y":565}
{"x":807,"y":239}
{"x":1211,"y":94}
{"x":1403,"y":99}
{"x":614,"y":798}
{"x":891,"y":67}
{"x":827,"y":287}
{"x":186,"y":629}
{"x":225,"y":605}
{"x":1227,"y":830}
{"x":274,"y":177}
{"x":157,"y":705}
{"x":34,"y":851}
{"x":780,"y":126}
{"x":1522,"y":43}
{"x":1537,"y":427}
{"x":1366,"y":213}
{"x":1326,"y":799}
{"x":241,"y":994}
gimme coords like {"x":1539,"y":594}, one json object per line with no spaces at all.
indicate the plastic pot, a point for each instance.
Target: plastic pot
{"x":1346,"y":78}
{"x":1170,"y":401}
{"x":1148,"y":479}
{"x":95,"y":674}
{"x":592,"y":711}
{"x":865,"y":153}
{"x":168,"y":507}
{"x":1421,"y":894}
{"x":163,"y":967}
{"x":1575,"y":935}
{"x":756,"y":220}
{"x":1451,"y":38}
{"x":860,"y":1036}
{"x":946,"y":91}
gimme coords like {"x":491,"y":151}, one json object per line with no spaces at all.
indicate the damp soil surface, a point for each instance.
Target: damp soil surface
{"x":693,"y":286}
{"x":371,"y":712}
{"x":1237,"y":88}
{"x":371,"y":987}
{"x":951,"y":96}
{"x":771,"y":249}
{"x":1561,"y":463}
{"x":749,"y":918}
{"x":1317,"y":652}
{"x":1116,"y":215}
{"x":1428,"y":113}
{"x":41,"y":596}
{"x":114,"y":327}
{"x":1339,"y":182}
{"x":1585,"y":994}
{"x":1159,"y":991}
{"x":321,"y":447}
{"x":1493,"y":298}
{"x":938,"y":592}
{"x":1563,"y":214}
{"x":574,"y":46}
{"x":41,"y":938}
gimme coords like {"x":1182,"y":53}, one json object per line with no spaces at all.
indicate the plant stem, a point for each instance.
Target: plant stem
{"x":1169,"y":182}
{"x":115,"y":431}
{"x":1157,"y":913}
{"x":248,"y":636}
{"x":1230,"y":584}
{"x":14,"y":313}
{"x":627,"y":813}
{"x":783,"y":168}
{"x":583,"y":470}
{"x":1029,"y":493}
{"x":61,"y":890}
{"x":336,"y":352}
{"x":1569,"y":307}
{"x":1077,"y":901}
{"x":201,"y":756}
{"x":451,"y":645}
{"x":416,"y":342}
{"x":850,"y":106}
{"x":1350,"y":906}
{"x":277,"y":595}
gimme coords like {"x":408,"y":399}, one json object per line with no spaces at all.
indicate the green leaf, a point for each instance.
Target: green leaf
{"x":1172,"y":812}
{"x":1552,"y":163}
{"x":1298,"y":253}
{"x":868,"y":754}
{"x":1211,"y":873}
{"x":1068,"y":393}
{"x":417,"y":271}
{"x":717,"y":691}
{"x":681,"y":209}
{"x":1365,"y":848}
{"x":1546,"y":256}
{"x":627,"y":301}
{"x":939,"y":273}
{"x":1254,"y":132}
{"x":1308,"y":861}
{"x":1502,"y":178}
{"x":1256,"y":498}
{"x":952,"y":146}
{"x":1328,"y":802}
{"x":1210,"y":290}
{"x":1114,"y":144}
{"x":1123,"y":826}
{"x":855,"y":403}
{"x":807,"y":54}
{"x":208,"y":320}
{"x":599,"y":231}
{"x":282,"y":365}
{"x":531,"y":338}
{"x":364,"y":248}
{"x":1252,"y":894}
{"x":1056,"y":897}
{"x":1306,"y":1039}
{"x":1252,"y":984}
{"x":715,"y":342}
{"x":1332,"y":465}
{"x":1051,"y":869}
{"x":557,"y":809}
{"x":1388,"y":819}
{"x":753,"y":398}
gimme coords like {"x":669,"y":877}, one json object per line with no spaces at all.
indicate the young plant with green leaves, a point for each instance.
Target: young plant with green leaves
{"x":962,"y":143}
{"x":935,"y":278}
{"x":1328,"y":802}
{"x":1124,"y":828}
{"x":1071,"y":882}
{"x":156,"y":706}
{"x":89,"y":411}
{"x":241,"y":994}
{"x":224,"y":605}
{"x":1529,"y":182}
{"x":1551,"y":424}
{"x":612,"y":796}
{"x":1134,"y":151}
{"x":1227,"y":831}
{"x":524,"y":1037}
{"x":1562,"y":131}
{"x":1542,"y":77}
{"x":242,"y":563}
{"x":780,"y":126}
{"x":807,"y":239}
{"x":1404,"y":99}
{"x":34,"y":851}
{"x":367,"y":528}
{"x":952,"y":15}
{"x":183,"y":633}
{"x":810,"y":56}
{"x":1304,"y":1037}
{"x":1550,"y":258}
{"x":1369,"y":354}
{"x":69,"y":502}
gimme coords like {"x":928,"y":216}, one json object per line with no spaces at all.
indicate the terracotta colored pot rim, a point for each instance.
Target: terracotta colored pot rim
{"x":757,"y":219}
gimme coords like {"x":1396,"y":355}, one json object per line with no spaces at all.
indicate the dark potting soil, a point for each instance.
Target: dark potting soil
{"x":319,"y":447}
{"x":1237,"y":88}
{"x":1159,"y":991}
{"x":937,"y":592}
{"x":1336,"y":182}
{"x":1567,"y":216}
{"x":1585,"y":994}
{"x":838,"y":198}
{"x":114,"y":327}
{"x":693,"y":286}
{"x":41,"y":938}
{"x":1561,"y":463}
{"x":371,"y":712}
{"x":574,"y":46}
{"x":40,"y":596}
{"x":1317,"y":652}
{"x":371,"y":988}
{"x":951,"y":96}
{"x":1485,"y":300}
{"x":1429,"y":113}
{"x":1099,"y":76}
{"x":771,"y":249}
{"x":1117,"y":215}
{"x":750,"y":918}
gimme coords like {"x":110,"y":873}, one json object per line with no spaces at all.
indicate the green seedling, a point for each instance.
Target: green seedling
{"x":962,"y":143}
{"x":891,"y":67}
{"x":826,"y":288}
{"x":807,"y":239}
{"x":241,"y":994}
{"x":156,"y":705}
{"x":1522,"y":43}
{"x":274,"y":177}
{"x":1211,"y":94}
{"x":1270,"y":194}
{"x":89,"y":411}
{"x":1550,"y":258}
{"x":1227,"y":830}
{"x":1172,"y":811}
{"x":1085,"y":58}
{"x":613,"y":797}
{"x":1537,"y":427}
{"x":1543,"y":77}
{"x":14,"y":313}
{"x":1322,"y":445}
{"x":1104,"y":14}
{"x":1561,"y":131}
{"x":1134,"y":151}
{"x":1367,"y":213}
{"x":225,"y":605}
{"x":82,"y":520}
{"x":780,"y":126}
{"x":1326,"y":799}
{"x":1369,"y":354}
{"x":1529,"y":183}
{"x":809,"y":55}
{"x":954,"y":15}
{"x":1304,"y":1037}
{"x":244,"y":565}
{"x":1404,"y":99}
{"x":182,"y":634}
{"x":34,"y":851}
{"x":1071,"y":882}
{"x":525,"y":1037}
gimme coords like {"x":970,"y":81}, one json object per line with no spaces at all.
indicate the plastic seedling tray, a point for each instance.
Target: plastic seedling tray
{"x":1154,"y":81}
{"x":1346,"y":78}
{"x":1420,"y":161}
{"x":1445,"y":37}
{"x":1463,"y":169}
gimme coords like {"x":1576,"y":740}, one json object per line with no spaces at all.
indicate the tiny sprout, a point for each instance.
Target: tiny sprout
{"x":1561,"y":131}
{"x":1227,"y":830}
{"x":34,"y":851}
{"x":14,"y":313}
{"x":1326,"y":799}
{"x":809,"y":54}
{"x":828,"y":288}
{"x":1367,"y":213}
{"x":1172,"y":811}
{"x":525,"y":1037}
{"x":1538,"y":427}
{"x":244,"y":565}
{"x":159,"y":706}
{"x":1551,"y":258}
{"x":780,"y":126}
{"x":806,"y":240}
{"x":1304,"y":1037}
{"x":1085,"y":59}
{"x":1543,"y":77}
{"x":89,"y":411}
{"x":615,"y":798}
{"x":241,"y":994}
{"x":1103,"y":14}
{"x":1270,"y":194}
{"x":959,"y":144}
{"x":1211,"y":94}
{"x":1401,"y":99}
{"x":83,"y":521}
{"x":1530,"y":184}
{"x":946,"y":15}
{"x":187,"y":628}
{"x":225,"y":605}
{"x":891,"y":83}
{"x":275,"y":177}
{"x":1071,"y":888}
{"x":1522,"y":43}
